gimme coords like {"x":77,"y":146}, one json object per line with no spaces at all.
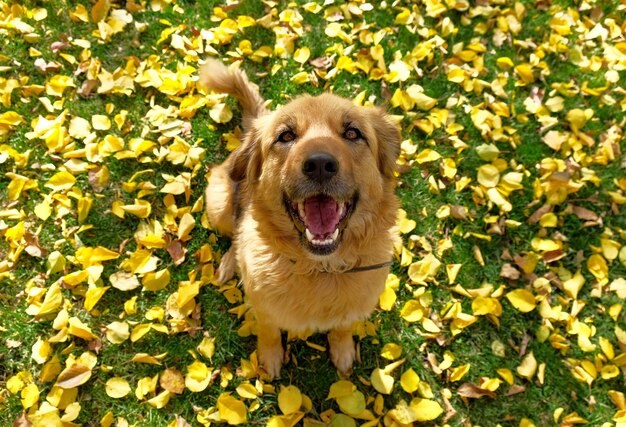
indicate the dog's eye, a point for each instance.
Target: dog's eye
{"x":286,"y":136}
{"x":352,"y":134}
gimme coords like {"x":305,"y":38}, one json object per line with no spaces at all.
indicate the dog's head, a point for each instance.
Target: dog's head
{"x":320,"y":167}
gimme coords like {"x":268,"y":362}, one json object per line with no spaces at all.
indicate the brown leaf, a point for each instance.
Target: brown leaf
{"x":87,"y":87}
{"x":322,"y":63}
{"x":458,"y":212}
{"x":13,"y":343}
{"x":552,"y":256}
{"x":450,"y":411}
{"x":181,"y":422}
{"x":33,"y":248}
{"x":434,"y":364}
{"x":516,"y":389}
{"x":43,"y":67}
{"x":536,"y":216}
{"x":99,"y":178}
{"x":100,"y":10}
{"x":509,"y":272}
{"x":172,"y":380}
{"x":584,"y":214}
{"x":474,"y":392}
{"x":58,"y":46}
{"x":22,"y":421}
{"x":176,"y":251}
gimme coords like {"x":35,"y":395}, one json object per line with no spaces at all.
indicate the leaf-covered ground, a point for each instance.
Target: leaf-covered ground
{"x":505,"y":306}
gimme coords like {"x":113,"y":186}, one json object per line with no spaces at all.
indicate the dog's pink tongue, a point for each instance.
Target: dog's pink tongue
{"x":322,"y":215}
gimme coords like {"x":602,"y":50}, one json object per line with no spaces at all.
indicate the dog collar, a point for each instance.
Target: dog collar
{"x":357,"y":269}
{"x":369,"y":267}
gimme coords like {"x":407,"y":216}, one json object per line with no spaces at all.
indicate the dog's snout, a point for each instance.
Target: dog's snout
{"x":320,"y":166}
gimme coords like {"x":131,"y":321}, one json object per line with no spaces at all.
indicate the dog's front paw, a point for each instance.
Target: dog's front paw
{"x":271,"y":360}
{"x":228,"y":266}
{"x":342,"y":350}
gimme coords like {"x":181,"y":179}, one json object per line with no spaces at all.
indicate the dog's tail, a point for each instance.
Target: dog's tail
{"x":234,"y":81}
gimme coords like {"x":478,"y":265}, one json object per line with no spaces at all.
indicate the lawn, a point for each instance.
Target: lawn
{"x":505,"y":302}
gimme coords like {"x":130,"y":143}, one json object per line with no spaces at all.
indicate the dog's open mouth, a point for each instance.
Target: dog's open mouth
{"x":320,"y":219}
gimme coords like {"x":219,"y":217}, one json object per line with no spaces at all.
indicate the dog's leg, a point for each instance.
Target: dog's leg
{"x":270,"y":348}
{"x":220,"y":199}
{"x":342,"y":351}
{"x":228,"y":265}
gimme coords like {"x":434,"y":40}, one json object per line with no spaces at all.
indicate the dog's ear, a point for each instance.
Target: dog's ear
{"x":389,"y":138}
{"x":247,"y":158}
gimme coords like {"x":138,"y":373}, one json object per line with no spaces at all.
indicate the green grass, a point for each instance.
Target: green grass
{"x":308,"y":368}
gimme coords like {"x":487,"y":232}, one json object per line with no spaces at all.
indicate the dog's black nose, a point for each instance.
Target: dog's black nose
{"x":320,"y":166}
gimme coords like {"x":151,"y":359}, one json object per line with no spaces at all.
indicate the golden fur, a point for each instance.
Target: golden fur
{"x":293,"y":283}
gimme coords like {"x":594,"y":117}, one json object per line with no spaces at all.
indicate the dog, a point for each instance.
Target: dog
{"x":308,"y":200}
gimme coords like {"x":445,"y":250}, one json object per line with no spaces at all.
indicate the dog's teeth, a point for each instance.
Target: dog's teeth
{"x":309,"y":235}
{"x":342,"y":210}
{"x":301,"y":210}
{"x":335,"y":235}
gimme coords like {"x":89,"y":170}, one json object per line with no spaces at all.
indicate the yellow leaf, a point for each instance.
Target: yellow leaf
{"x":427,"y":155}
{"x":302,"y":55}
{"x":155,"y":281}
{"x":73,"y":376}
{"x":187,"y":223}
{"x":412,"y":311}
{"x":187,"y":292}
{"x":93,"y":295}
{"x":248,"y":391}
{"x":598,"y":267}
{"x":459,"y":372}
{"x":507,"y":375}
{"x":452,"y":270}
{"x":160,"y":400}
{"x":124,"y":281}
{"x":41,"y":351}
{"x":485,"y":305}
{"x":340,"y":388}
{"x":140,"y":208}
{"x":43,"y":210}
{"x":387,"y":299}
{"x":574,"y":285}
{"x":146,"y":386}
{"x":352,"y":404}
{"x":61,"y":181}
{"x":30,"y":395}
{"x":198,"y":377}
{"x":425,"y":409}
{"x":610,"y":249}
{"x":146,"y":358}
{"x":289,"y":399}
{"x":577,"y":118}
{"x":231,"y":410}
{"x":488,"y":175}
{"x":139,"y":331}
{"x":100,"y":122}
{"x":522,"y":299}
{"x":117,"y":387}
{"x":382,"y":382}
{"x":425,"y":269}
{"x":221,"y":113}
{"x":79,"y":329}
{"x":391,"y":351}
{"x":409,"y":380}
{"x":57,"y":84}
{"x":528,"y":367}
{"x":525,"y":72}
{"x":117,"y":332}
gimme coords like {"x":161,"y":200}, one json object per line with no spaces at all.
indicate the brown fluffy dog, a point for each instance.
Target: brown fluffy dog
{"x":309,"y":202}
